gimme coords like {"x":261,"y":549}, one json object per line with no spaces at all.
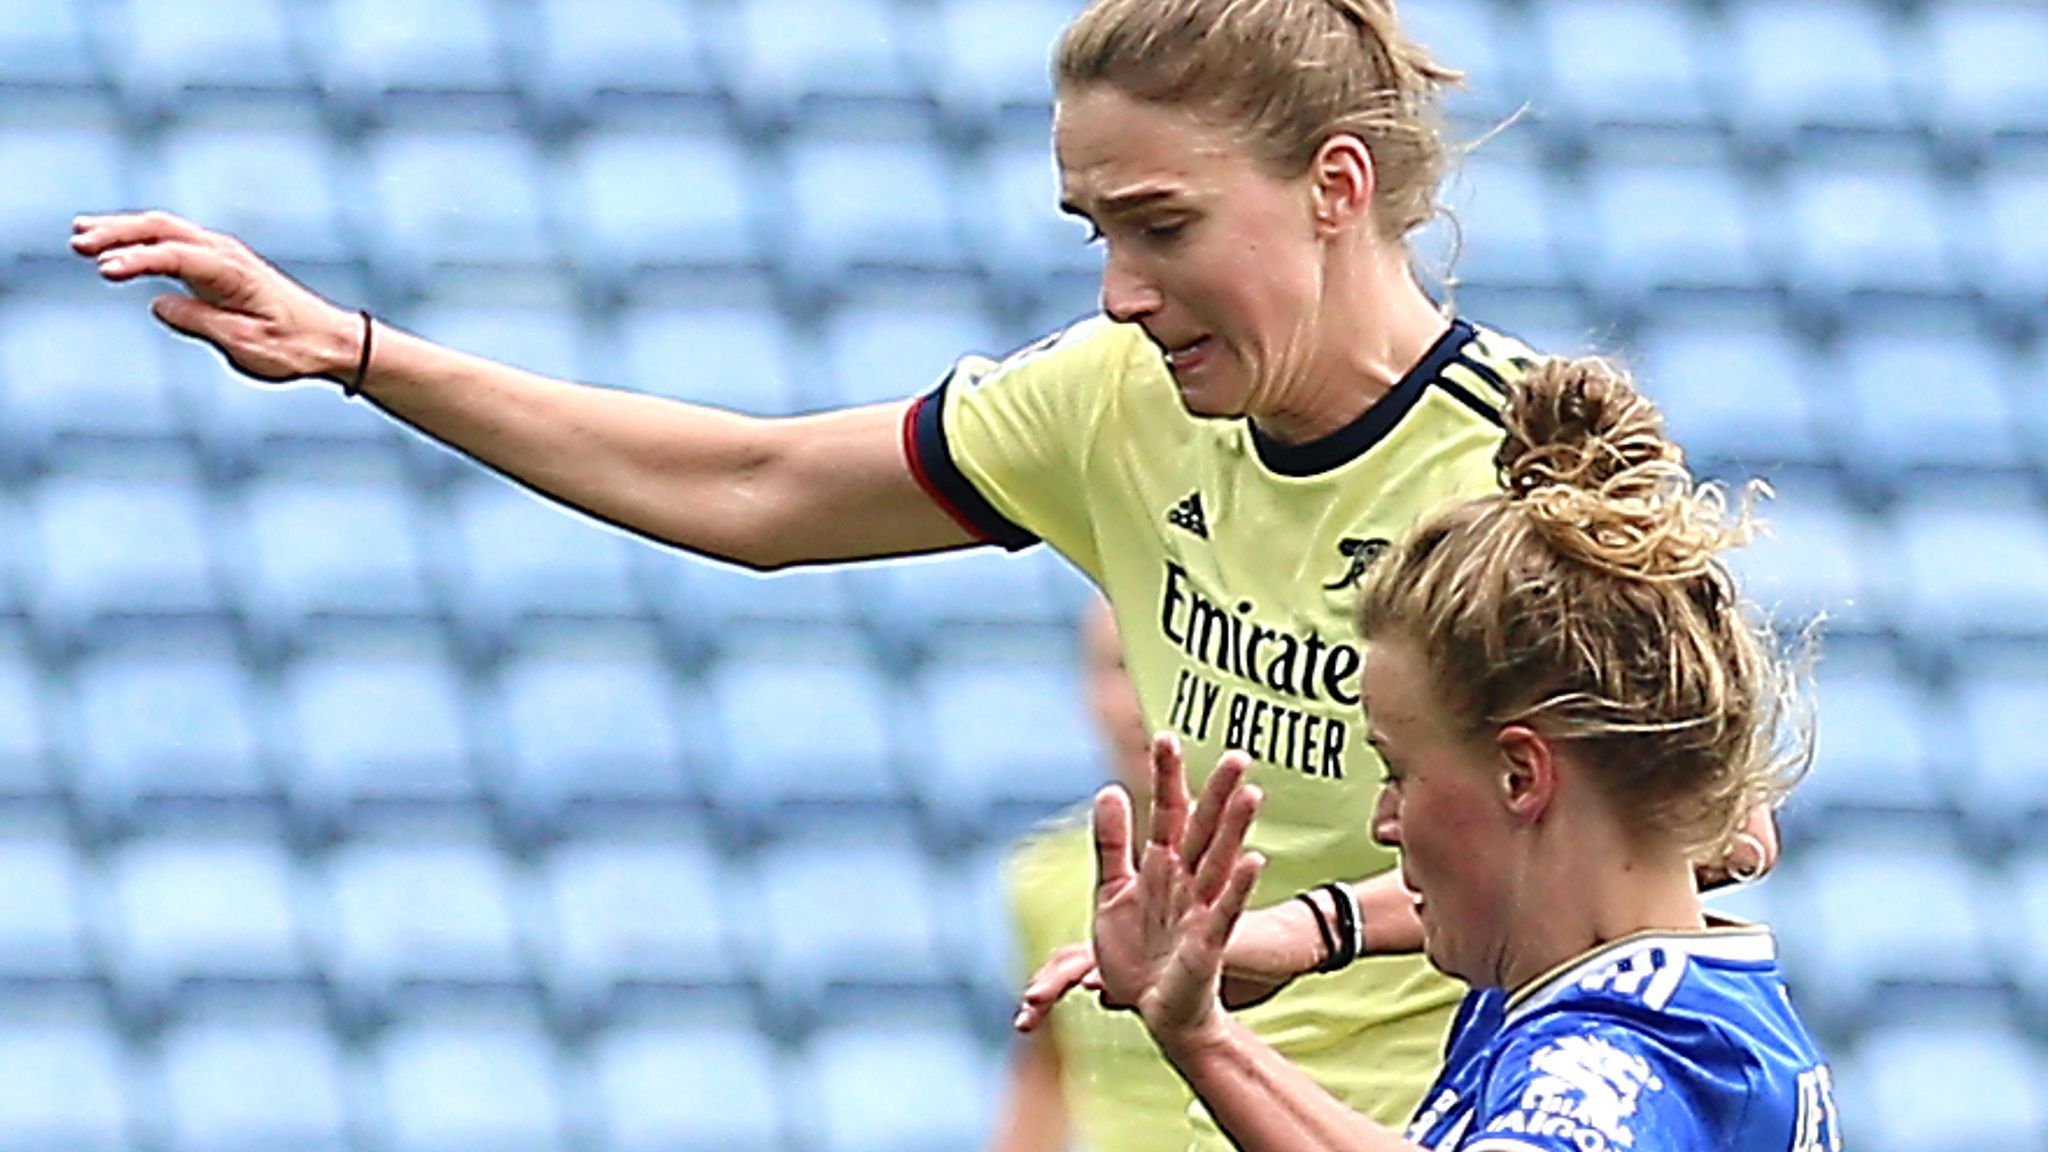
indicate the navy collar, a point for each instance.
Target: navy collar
{"x":1356,"y":438}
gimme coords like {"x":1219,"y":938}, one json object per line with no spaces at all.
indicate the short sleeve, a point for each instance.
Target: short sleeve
{"x":1001,"y":445}
{"x":1584,"y":1085}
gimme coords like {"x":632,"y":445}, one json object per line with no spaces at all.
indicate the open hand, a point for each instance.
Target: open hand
{"x":1164,"y":914}
{"x":268,"y":325}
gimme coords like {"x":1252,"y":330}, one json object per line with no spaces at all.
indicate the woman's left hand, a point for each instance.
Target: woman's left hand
{"x":1164,"y":910}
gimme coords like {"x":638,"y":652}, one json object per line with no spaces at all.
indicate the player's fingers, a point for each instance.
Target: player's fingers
{"x":1244,"y":876}
{"x":1216,"y":794}
{"x":183,"y":313}
{"x":94,"y":234}
{"x":1169,"y":792}
{"x":1114,"y":867}
{"x":1214,"y":868}
{"x":1066,"y":969}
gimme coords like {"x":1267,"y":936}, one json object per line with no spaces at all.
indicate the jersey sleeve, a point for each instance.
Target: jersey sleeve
{"x":1002,"y":445}
{"x":1581,"y":1084}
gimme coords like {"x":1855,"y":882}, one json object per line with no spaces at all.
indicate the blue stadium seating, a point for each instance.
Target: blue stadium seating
{"x":689,"y":1087}
{"x":591,"y":846}
{"x":209,"y":1067}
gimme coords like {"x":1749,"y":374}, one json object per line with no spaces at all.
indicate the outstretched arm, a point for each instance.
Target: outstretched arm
{"x":762,"y":492}
{"x":1162,"y":916}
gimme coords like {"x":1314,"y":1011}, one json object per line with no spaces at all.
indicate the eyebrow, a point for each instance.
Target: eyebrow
{"x":1121,"y":202}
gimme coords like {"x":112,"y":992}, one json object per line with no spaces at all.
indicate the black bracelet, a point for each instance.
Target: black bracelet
{"x":353,"y":387}
{"x":1323,"y":929}
{"x":1350,"y":928}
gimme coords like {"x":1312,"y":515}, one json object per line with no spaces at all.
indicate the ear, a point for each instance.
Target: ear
{"x":1527,"y":771}
{"x":1342,"y":182}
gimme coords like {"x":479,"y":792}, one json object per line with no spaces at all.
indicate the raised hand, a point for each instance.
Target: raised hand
{"x":1163,"y":914}
{"x":268,"y":325}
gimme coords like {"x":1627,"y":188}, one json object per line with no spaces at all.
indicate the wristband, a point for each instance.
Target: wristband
{"x":353,"y":387}
{"x":1323,"y":929}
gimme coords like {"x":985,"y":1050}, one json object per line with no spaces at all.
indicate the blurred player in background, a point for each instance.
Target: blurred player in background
{"x":1575,"y":705}
{"x":1090,"y":1079}
{"x":1270,"y":397}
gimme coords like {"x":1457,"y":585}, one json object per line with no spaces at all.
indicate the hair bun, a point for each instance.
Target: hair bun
{"x":1587,"y":456}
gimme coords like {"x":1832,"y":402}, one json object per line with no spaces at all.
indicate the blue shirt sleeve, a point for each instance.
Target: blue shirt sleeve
{"x":1582,"y":1083}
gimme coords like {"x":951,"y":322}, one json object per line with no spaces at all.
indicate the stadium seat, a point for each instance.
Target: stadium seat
{"x":640,"y":200}
{"x":1884,"y":741}
{"x":274,"y":186}
{"x":2008,"y":245}
{"x":84,"y":370}
{"x":1972,"y":550}
{"x":30,"y":726}
{"x":413,"y":916}
{"x":167,"y":50}
{"x":1486,"y":41}
{"x":1926,"y":399}
{"x":1508,"y":236}
{"x":879,"y":349}
{"x":78,"y":167}
{"x":209,"y":1068}
{"x":1007,"y":742}
{"x":2005,"y":790}
{"x":993,"y":66}
{"x":738,"y":356}
{"x":809,"y":728}
{"x":250,"y":426}
{"x":682,"y":1087}
{"x":1855,"y":949}
{"x":1734,"y":385}
{"x":1828,"y":64}
{"x":785,"y":63}
{"x":122,"y":547}
{"x":1820,"y":558}
{"x":1986,"y":80}
{"x":64,"y":1083}
{"x":860,"y":1071}
{"x":1864,"y":222}
{"x":203,"y":911}
{"x":588,"y":58}
{"x":44,"y":45}
{"x":44,"y":921}
{"x":166,"y":724}
{"x":2023,"y":917}
{"x":525,"y":560}
{"x":1897,"y":1088}
{"x":468,"y":1085}
{"x":453,"y":197}
{"x":865,"y":203}
{"x":605,"y":730}
{"x":376,"y":53}
{"x":1016,"y":229}
{"x":377,"y":728}
{"x":637,"y":915}
{"x":1616,"y":62}
{"x":324,"y":550}
{"x":1669,"y":212}
{"x":711,"y":604}
{"x":983,"y":595}
{"x":847,"y":914}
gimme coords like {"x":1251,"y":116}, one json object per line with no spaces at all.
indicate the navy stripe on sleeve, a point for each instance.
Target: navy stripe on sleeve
{"x":931,"y":462}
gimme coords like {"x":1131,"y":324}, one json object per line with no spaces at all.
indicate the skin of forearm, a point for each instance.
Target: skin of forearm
{"x":1262,"y":1101}
{"x":707,"y":480}
{"x":1391,"y":925}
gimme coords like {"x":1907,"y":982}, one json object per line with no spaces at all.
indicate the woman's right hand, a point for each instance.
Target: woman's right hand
{"x":268,"y":325}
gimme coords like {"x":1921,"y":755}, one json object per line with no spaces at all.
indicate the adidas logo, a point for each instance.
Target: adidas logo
{"x":1187,"y":516}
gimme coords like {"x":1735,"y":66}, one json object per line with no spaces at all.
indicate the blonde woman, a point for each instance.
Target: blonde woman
{"x":1575,"y":707}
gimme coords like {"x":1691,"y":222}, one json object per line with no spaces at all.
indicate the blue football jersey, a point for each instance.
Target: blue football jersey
{"x":1656,"y":1042}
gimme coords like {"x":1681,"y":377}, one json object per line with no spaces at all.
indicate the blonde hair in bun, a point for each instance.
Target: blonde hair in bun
{"x":1590,"y":599}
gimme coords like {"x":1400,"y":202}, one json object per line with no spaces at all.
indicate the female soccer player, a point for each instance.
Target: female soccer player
{"x":1270,"y":396}
{"x":1574,"y":706}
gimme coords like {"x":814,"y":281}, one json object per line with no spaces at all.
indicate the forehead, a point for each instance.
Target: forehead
{"x":1109,"y":145}
{"x":1395,"y":690}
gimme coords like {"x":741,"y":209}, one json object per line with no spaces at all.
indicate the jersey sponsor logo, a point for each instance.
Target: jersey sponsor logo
{"x":1650,"y":975}
{"x":1584,"y":1092}
{"x":1358,"y":556}
{"x":1444,"y":1107}
{"x":1189,"y":517}
{"x":1232,"y":652}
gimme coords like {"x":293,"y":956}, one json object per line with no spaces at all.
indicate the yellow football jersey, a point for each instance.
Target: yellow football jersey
{"x":1231,"y":562}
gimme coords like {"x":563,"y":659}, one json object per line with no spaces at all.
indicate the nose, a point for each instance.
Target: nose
{"x":1386,"y":819}
{"x":1127,"y":296}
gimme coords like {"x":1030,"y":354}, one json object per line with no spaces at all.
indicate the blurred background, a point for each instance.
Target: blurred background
{"x":350,"y":798}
